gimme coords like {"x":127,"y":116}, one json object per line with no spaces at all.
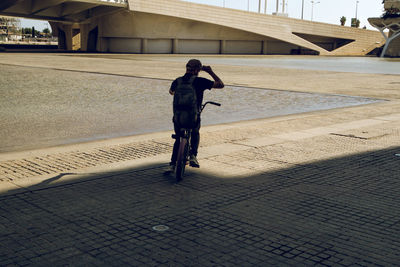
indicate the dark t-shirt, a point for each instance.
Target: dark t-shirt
{"x":200,"y":85}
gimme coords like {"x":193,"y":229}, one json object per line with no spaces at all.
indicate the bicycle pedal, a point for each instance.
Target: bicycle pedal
{"x":194,"y":165}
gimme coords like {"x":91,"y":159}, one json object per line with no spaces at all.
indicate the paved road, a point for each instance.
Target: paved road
{"x":372,"y":65}
{"x":43,"y":107}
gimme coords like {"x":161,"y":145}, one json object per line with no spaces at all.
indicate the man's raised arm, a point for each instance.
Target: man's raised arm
{"x":217,"y":81}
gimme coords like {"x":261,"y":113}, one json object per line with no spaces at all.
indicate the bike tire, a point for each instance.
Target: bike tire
{"x":181,"y":160}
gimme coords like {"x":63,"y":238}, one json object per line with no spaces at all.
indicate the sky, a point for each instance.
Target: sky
{"x":328,"y":11}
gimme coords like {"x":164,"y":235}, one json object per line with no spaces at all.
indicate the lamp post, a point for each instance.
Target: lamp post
{"x":248,"y":5}
{"x":265,"y":7}
{"x":302,"y":10}
{"x":312,"y":8}
{"x":357,"y":8}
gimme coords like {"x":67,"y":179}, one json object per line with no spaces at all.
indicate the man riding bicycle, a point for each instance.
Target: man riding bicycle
{"x":193,"y":67}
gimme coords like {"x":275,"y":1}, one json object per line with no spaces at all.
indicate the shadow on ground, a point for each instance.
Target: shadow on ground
{"x":343,"y":211}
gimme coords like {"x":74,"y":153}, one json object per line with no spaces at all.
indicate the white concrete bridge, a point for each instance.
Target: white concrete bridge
{"x":174,"y":26}
{"x":60,"y":10}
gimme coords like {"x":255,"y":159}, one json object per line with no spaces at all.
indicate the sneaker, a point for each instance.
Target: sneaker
{"x":170,"y":169}
{"x":193,"y":162}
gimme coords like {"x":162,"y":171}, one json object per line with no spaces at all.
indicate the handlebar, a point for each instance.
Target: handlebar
{"x":210,"y":102}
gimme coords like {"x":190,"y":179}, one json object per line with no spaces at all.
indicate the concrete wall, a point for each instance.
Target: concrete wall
{"x":145,"y":25}
{"x":149,"y":33}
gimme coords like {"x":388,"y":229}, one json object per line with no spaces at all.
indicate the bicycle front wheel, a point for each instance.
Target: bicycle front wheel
{"x":181,"y":159}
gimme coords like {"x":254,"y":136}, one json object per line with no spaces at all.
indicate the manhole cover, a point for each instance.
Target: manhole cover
{"x":160,"y":228}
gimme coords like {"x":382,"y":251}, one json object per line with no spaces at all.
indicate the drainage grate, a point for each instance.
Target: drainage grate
{"x":37,"y":166}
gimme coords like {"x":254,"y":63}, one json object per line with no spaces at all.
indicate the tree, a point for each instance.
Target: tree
{"x":342,"y":20}
{"x":355,"y":23}
{"x":27,"y":31}
{"x":46,"y":31}
{"x":11,"y":25}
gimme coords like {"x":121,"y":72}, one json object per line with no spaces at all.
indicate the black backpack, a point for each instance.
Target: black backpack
{"x":185,"y":106}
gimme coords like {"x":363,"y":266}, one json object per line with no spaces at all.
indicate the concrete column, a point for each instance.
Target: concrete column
{"x":65,"y":34}
{"x":144,"y":46}
{"x":388,"y":41}
{"x":84,"y":36}
{"x":222,"y":47}
{"x":334,"y":45}
{"x":175,"y":48}
{"x":68,"y":37}
{"x":264,"y":47}
{"x":103,"y":43}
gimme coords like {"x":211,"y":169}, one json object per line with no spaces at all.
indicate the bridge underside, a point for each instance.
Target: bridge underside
{"x":60,"y":10}
{"x":173,"y":26}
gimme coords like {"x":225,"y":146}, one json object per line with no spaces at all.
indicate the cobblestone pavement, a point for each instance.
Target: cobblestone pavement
{"x":315,"y":189}
{"x":338,"y":212}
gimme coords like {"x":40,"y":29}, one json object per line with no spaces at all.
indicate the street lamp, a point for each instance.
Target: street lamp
{"x":265,"y":7}
{"x":312,"y":8}
{"x":248,"y":5}
{"x":357,"y":8}
{"x":302,"y":10}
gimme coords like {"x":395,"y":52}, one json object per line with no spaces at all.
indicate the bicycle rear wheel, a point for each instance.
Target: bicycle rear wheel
{"x":181,"y":159}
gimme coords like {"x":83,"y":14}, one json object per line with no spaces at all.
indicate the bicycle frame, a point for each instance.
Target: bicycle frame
{"x":183,"y":153}
{"x":185,"y":145}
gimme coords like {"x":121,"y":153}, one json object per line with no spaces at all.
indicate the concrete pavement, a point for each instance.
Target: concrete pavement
{"x":320,"y":188}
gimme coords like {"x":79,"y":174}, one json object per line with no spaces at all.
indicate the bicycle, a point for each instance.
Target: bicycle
{"x":185,"y":143}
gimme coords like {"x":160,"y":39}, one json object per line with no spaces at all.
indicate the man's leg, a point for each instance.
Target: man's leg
{"x":176,"y":145}
{"x":195,"y":141}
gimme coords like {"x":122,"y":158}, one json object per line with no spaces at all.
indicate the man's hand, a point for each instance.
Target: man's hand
{"x":217,"y":81}
{"x":207,"y":69}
